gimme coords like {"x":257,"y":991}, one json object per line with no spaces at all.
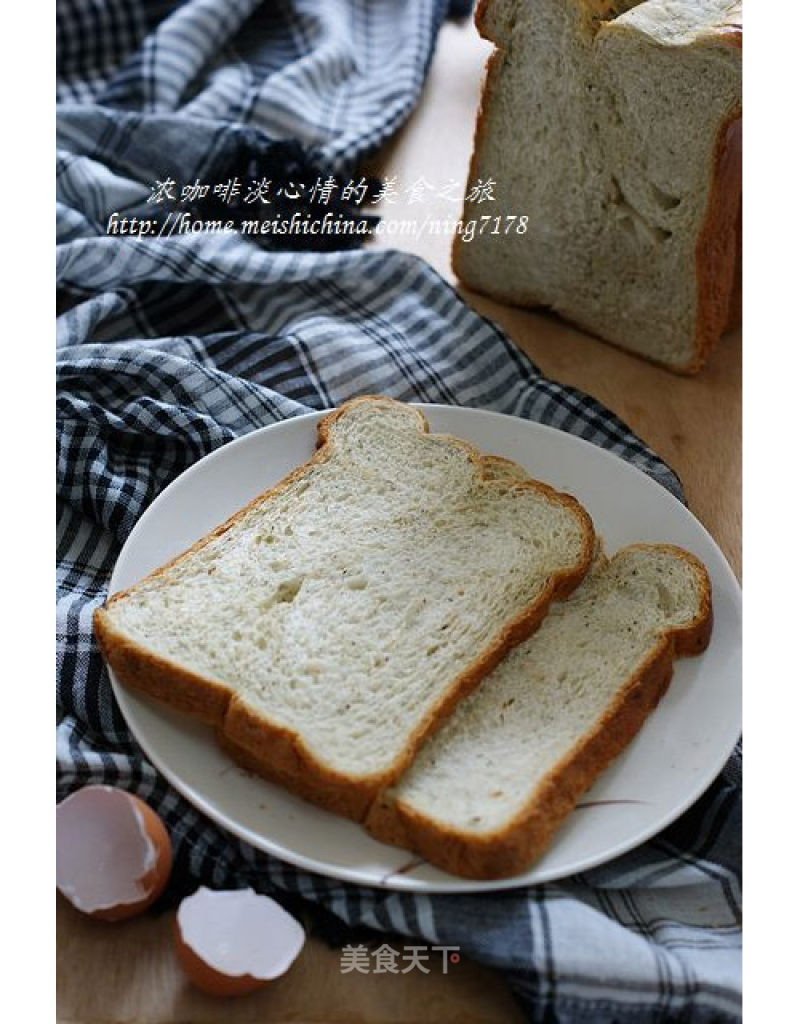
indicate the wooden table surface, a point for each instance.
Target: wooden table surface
{"x":127,"y":972}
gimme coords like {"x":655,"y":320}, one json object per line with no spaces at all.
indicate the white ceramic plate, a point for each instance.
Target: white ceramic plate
{"x":673,"y":759}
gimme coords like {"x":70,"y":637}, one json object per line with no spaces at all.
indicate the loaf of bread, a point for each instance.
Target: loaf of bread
{"x":485,"y":795}
{"x":331,"y":625}
{"x":614,"y":128}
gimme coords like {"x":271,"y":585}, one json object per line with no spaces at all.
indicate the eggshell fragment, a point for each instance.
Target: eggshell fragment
{"x":113,"y":853}
{"x":232,"y":942}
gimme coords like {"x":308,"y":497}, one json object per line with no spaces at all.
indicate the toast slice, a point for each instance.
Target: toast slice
{"x":611,"y":130}
{"x":485,"y":795}
{"x":331,"y":625}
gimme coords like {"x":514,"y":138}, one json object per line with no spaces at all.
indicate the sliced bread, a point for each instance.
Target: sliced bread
{"x":485,"y":795}
{"x":611,"y":131}
{"x":328,"y":627}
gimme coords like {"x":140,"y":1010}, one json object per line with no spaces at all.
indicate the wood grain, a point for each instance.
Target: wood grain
{"x":128,"y":974}
{"x":116,"y":974}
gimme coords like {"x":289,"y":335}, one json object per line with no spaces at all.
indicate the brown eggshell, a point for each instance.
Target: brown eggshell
{"x":113,"y":856}
{"x":206,"y":978}
{"x":260,"y":940}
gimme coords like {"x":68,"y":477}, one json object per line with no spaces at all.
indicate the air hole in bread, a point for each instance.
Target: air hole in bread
{"x":288,"y":591}
{"x":664,"y":199}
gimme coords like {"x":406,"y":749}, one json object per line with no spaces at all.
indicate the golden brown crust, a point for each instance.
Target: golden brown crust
{"x":272,"y":749}
{"x":483,"y":22}
{"x":512,"y":849}
{"x":481,"y":10}
{"x":728,"y":33}
{"x":158,"y":677}
{"x":493,"y":68}
{"x":328,"y":795}
{"x":718,"y":250}
{"x":718,"y":243}
{"x":735,"y":308}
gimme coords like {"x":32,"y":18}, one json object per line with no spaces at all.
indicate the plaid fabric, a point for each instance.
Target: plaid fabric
{"x":169,"y":348}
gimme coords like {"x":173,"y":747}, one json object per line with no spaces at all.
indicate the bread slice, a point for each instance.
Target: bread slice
{"x":332,"y":624}
{"x":614,"y":127}
{"x":485,"y":795}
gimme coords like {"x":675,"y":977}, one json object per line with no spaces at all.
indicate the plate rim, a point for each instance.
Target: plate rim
{"x":392,"y":881}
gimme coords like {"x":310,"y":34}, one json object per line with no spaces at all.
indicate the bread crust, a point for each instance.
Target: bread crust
{"x":269,"y":747}
{"x":735,"y":307}
{"x":718,"y":249}
{"x":493,"y":67}
{"x":718,"y":245}
{"x":512,"y":849}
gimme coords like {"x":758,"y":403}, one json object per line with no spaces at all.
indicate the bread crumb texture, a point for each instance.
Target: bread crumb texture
{"x":342,"y":605}
{"x":482,"y":770}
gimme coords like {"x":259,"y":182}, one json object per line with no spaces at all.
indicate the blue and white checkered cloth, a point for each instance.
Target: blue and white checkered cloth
{"x":170,"y":347}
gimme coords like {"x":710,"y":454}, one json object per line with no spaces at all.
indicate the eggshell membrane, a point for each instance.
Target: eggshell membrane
{"x":236,"y":941}
{"x":113,"y":853}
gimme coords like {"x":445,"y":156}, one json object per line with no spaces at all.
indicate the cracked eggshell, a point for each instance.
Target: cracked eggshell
{"x":113,"y":853}
{"x":232,"y":942}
